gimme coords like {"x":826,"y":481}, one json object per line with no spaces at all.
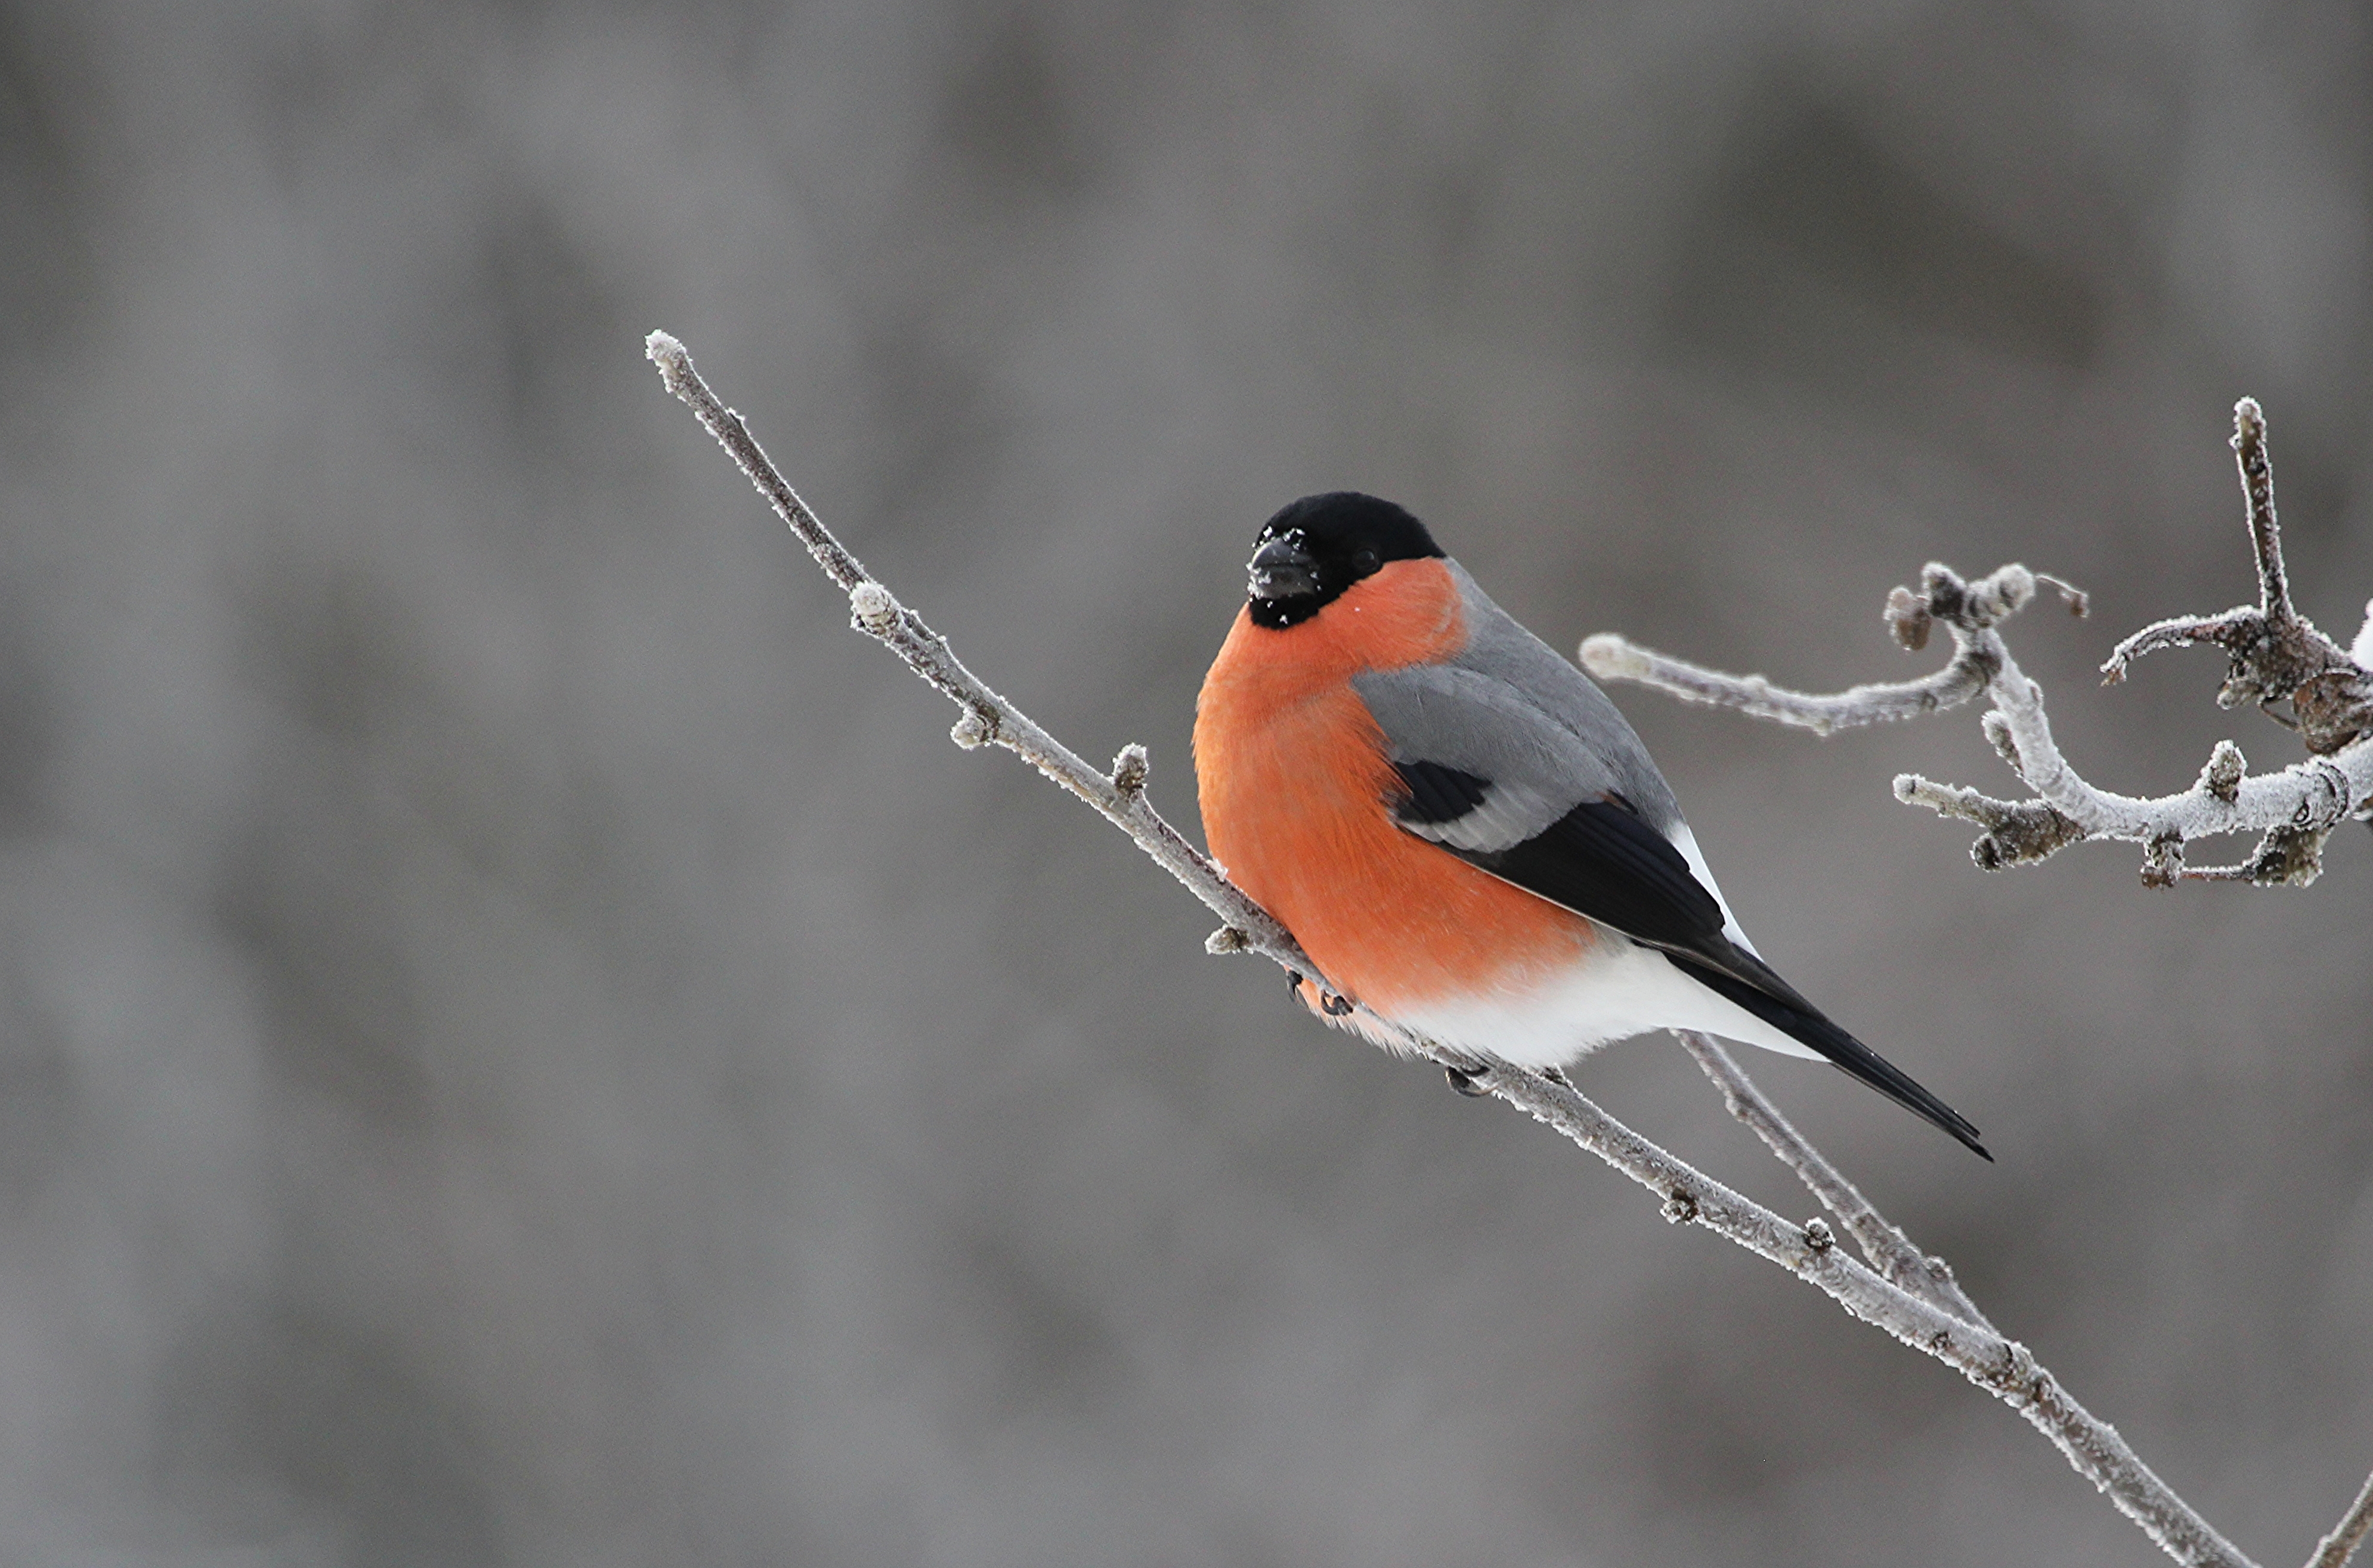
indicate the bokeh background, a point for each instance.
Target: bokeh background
{"x":521,"y":1043}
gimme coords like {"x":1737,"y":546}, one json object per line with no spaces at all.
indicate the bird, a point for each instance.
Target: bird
{"x":1458,"y":826}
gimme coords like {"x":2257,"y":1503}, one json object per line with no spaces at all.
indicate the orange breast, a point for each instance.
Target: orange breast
{"x":1294,"y":781}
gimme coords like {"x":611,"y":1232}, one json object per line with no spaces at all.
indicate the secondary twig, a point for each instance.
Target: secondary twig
{"x":2338,"y":1547}
{"x":2275,"y":654}
{"x":1897,"y":1258}
{"x":2001,"y":1366}
{"x":2004,"y":1367}
{"x":1609,"y":658}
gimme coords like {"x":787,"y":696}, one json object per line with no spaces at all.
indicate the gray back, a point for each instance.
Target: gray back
{"x":1508,"y":708}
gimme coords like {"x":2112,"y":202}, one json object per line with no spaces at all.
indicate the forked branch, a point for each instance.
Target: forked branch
{"x":1908,"y":1294}
{"x":2275,"y":654}
{"x":1895,"y":1257}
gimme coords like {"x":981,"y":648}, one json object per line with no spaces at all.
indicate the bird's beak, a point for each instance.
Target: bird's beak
{"x":1282,"y":569}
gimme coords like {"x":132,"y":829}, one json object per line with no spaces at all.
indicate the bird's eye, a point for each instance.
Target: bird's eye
{"x":1364,"y":562}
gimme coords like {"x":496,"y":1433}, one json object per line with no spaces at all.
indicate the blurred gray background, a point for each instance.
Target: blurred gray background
{"x":520,"y":1042}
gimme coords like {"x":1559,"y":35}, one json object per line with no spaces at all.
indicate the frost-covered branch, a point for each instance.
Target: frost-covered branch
{"x":2275,"y":654}
{"x":986,"y":718}
{"x":2337,"y":1549}
{"x":1920,"y":1307}
{"x":1895,"y":1257}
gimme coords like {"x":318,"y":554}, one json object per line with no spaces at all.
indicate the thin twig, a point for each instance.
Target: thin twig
{"x":2315,"y":794}
{"x":2004,"y":1367}
{"x":1898,"y":1259}
{"x":2337,"y":1548}
{"x":2275,"y":654}
{"x":2258,"y":488}
{"x":1610,"y":657}
{"x":2001,"y":1366}
{"x":988,"y":719}
{"x":1964,"y":609}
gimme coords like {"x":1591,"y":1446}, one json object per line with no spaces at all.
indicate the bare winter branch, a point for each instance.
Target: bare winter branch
{"x":1891,"y":1252}
{"x":2337,"y":1549}
{"x":1610,"y":657}
{"x":2275,"y":654}
{"x":1959,"y":1338}
{"x":2004,"y":1367}
{"x":986,"y":718}
{"x":2257,"y":488}
{"x":1966,"y":610}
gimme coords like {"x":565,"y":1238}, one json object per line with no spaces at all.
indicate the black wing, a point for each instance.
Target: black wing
{"x":1601,"y":860}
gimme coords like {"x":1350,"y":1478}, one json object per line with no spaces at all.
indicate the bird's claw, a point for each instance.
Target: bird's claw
{"x":1320,"y":999}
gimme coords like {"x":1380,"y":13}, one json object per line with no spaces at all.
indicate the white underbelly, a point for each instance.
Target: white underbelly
{"x":1619,"y":993}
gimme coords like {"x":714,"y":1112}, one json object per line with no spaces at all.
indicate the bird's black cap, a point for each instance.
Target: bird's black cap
{"x":1320,"y":545}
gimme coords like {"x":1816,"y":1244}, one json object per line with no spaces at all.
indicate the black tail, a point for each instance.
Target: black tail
{"x":1805,"y":1024}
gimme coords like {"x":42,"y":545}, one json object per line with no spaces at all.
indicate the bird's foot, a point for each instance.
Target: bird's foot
{"x":1317,"y":998}
{"x":1469,"y":1083}
{"x":1463,"y":1082}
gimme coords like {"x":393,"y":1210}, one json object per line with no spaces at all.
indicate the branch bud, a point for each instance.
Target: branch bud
{"x":2003,"y":594}
{"x":2222,"y":776}
{"x":1819,"y":1235}
{"x":1908,"y":619}
{"x":871,"y":609}
{"x":1227,"y":939}
{"x":675,"y":364}
{"x":2249,"y":424}
{"x":1612,"y":658}
{"x":1997,"y":733}
{"x":974,"y":730}
{"x":2288,"y":857}
{"x":1128,"y":770}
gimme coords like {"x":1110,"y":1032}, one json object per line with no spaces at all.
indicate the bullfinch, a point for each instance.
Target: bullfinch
{"x":1461,"y":829}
